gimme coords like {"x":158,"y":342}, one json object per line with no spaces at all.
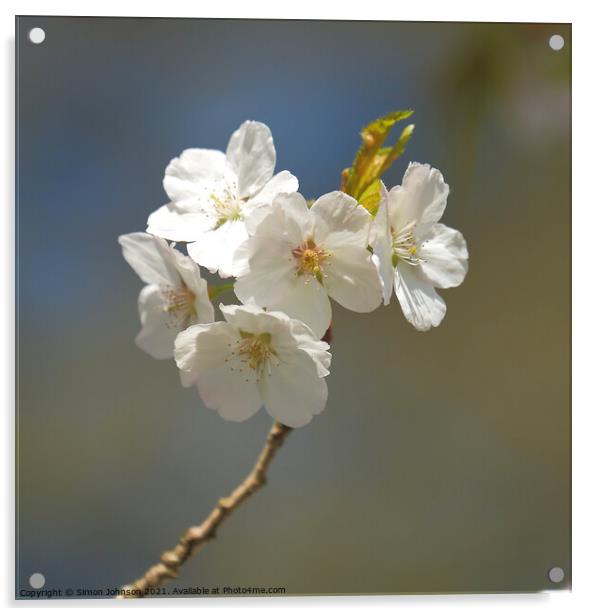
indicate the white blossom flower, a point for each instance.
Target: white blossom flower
{"x":212,"y":194}
{"x":299,"y":257}
{"x":255,"y":358}
{"x":175,"y":296}
{"x":413,"y":251}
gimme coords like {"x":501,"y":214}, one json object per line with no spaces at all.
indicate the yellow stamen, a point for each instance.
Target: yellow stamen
{"x":404,"y":245}
{"x":310,"y":259}
{"x":180,"y":304}
{"x":226,"y":209}
{"x":256,"y":351}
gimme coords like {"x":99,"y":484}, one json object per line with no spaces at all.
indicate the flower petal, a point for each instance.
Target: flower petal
{"x":150,"y":257}
{"x":201,"y":347}
{"x":240,"y":258}
{"x":270,"y":271}
{"x":317,"y":349}
{"x":251,"y":318}
{"x":288,"y":218}
{"x":422,"y":306}
{"x":251,"y":155}
{"x":195,"y":175}
{"x":216,"y":249}
{"x":444,"y":256}
{"x":191,"y":275}
{"x":269,"y":274}
{"x":422,"y":198}
{"x":352,"y":279}
{"x":307,"y":301}
{"x":230,"y":390}
{"x":382,"y":244}
{"x":204,"y":355}
{"x":287,"y":334}
{"x":157,"y":335}
{"x":176,"y":224}
{"x":340,"y":220}
{"x":282,"y":182}
{"x":293,"y":392}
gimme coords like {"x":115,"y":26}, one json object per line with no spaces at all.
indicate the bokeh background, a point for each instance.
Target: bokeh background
{"x":442,"y":460}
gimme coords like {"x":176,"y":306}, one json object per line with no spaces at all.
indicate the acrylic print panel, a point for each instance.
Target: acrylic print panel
{"x":427,"y":448}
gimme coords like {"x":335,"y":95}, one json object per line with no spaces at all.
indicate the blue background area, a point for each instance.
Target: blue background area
{"x":442,"y":460}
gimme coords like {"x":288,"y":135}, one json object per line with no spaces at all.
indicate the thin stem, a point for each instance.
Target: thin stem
{"x":197,"y":536}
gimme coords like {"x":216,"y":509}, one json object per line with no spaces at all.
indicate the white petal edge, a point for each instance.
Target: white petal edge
{"x":306,"y":301}
{"x":173,"y":223}
{"x":294,"y":392}
{"x":231,"y":390}
{"x":204,"y":346}
{"x":251,"y":154}
{"x":157,"y":335}
{"x":288,"y":218}
{"x":422,"y":197}
{"x":444,"y":256}
{"x":150,"y":257}
{"x":269,"y":274}
{"x":216,"y":249}
{"x":339,"y":220}
{"x":382,"y":244}
{"x":316,"y":348}
{"x":282,"y":182}
{"x":191,"y":275}
{"x":352,"y":279}
{"x":194,"y":174}
{"x":422,"y":306}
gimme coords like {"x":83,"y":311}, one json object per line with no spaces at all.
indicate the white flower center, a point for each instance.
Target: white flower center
{"x":404,"y":245}
{"x":310,"y":260}
{"x":226,"y":207}
{"x":180,"y":305}
{"x":255,"y":352}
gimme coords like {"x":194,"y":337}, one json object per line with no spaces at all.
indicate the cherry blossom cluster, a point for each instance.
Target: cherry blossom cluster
{"x":288,"y":258}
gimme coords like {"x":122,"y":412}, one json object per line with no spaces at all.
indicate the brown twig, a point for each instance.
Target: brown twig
{"x":197,"y":536}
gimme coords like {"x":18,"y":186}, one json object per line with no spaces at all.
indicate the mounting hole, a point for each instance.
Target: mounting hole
{"x":556,"y":42}
{"x":556,"y":575}
{"x":37,"y":580}
{"x":37,"y":35}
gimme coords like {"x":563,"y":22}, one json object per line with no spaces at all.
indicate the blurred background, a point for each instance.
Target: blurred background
{"x":442,"y":461}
